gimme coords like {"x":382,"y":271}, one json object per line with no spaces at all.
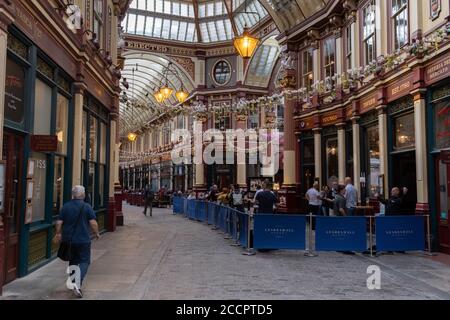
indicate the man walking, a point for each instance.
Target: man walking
{"x":351,"y":196}
{"x":149,"y":196}
{"x":73,"y":226}
{"x":266,"y":199}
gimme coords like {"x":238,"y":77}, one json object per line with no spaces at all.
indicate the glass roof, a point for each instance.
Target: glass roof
{"x":262,"y":63}
{"x":183,"y":20}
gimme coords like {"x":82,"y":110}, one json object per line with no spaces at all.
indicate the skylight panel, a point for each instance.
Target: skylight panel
{"x":204,"y":31}
{"x":229,"y":29}
{"x":212,"y":31}
{"x":157,"y":28}
{"x":174,"y":30}
{"x":221,"y":30}
{"x":210,"y":9}
{"x":219,"y":8}
{"x":134,"y":4}
{"x":191,"y":11}
{"x":149,"y":26}
{"x":182,"y":31}
{"x":190,"y":32}
{"x":142,"y":5}
{"x":176,"y":8}
{"x":202,"y":10}
{"x":140,"y":24}
{"x":167,"y":7}
{"x":151,"y":5}
{"x":159,"y":6}
{"x":165,"y":29}
{"x":184,"y":9}
{"x":131,"y":27}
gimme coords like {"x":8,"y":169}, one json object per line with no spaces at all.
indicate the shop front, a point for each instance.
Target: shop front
{"x":166,"y":175}
{"x":439,"y":160}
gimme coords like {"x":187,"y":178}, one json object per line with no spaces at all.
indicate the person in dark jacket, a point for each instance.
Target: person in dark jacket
{"x":395,"y":204}
{"x":149,"y":196}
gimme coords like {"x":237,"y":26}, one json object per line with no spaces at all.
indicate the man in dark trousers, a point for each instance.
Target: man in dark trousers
{"x":149,"y":195}
{"x":395,"y":204}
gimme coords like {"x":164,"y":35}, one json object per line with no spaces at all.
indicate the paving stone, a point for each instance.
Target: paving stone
{"x":170,"y":257}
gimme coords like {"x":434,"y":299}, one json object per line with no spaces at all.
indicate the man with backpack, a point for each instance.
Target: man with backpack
{"x":149,"y":195}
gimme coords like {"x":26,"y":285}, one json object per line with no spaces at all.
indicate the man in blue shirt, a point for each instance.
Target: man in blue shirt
{"x":351,"y":196}
{"x":72,"y":225}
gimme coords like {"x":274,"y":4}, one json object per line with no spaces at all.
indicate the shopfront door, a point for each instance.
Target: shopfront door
{"x":443,"y":194}
{"x":13,"y":156}
{"x":404,"y":175}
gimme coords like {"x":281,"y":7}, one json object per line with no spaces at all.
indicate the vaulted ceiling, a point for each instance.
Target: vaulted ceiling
{"x":198,"y":22}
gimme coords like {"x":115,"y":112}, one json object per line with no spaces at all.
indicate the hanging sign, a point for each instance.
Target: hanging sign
{"x":44,"y":143}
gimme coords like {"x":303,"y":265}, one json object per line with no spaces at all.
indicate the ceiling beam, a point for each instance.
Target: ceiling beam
{"x":197,"y":24}
{"x":229,"y":8}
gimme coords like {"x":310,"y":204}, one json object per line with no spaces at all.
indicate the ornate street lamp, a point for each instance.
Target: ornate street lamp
{"x":246,"y":44}
{"x":182,"y":95}
{"x":132,"y":136}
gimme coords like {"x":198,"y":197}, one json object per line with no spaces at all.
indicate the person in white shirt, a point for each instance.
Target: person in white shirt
{"x":314,"y":199}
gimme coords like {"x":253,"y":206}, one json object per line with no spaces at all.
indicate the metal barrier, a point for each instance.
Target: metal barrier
{"x":399,"y":233}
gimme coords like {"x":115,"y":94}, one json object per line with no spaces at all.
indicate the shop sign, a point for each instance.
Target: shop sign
{"x":329,"y":118}
{"x":44,"y":143}
{"x":368,"y":103}
{"x":36,"y":31}
{"x":14,"y":92}
{"x":438,"y":71}
{"x":445,"y":156}
{"x":400,"y":88}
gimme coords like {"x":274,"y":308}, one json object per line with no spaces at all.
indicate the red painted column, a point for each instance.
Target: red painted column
{"x":288,"y":194}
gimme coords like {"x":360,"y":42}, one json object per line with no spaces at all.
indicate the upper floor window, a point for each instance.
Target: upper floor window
{"x":329,"y":49}
{"x":307,"y":69}
{"x":400,"y":23}
{"x":98,"y":20}
{"x":369,"y":25}
{"x":348,"y":46}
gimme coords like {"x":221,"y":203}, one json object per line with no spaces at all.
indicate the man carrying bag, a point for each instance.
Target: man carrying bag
{"x":75,"y":241}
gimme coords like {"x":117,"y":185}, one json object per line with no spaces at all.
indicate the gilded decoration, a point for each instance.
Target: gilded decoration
{"x":187,"y":64}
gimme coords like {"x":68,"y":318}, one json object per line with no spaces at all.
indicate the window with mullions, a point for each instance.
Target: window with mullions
{"x":222,"y":72}
{"x":307,"y":69}
{"x":329,"y":49}
{"x":348,"y":46}
{"x":400,"y":23}
{"x":98,"y":20}
{"x":369,"y":27}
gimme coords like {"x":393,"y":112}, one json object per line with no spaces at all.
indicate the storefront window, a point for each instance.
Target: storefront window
{"x":332,"y":159}
{"x":14,"y":91}
{"x":61,"y":123}
{"x":103,"y":143}
{"x":101,"y":186}
{"x":91,"y":185}
{"x":39,"y":182}
{"x":83,"y":136}
{"x":93,"y":139}
{"x":404,"y":132}
{"x":373,"y":143}
{"x":58,"y":185}
{"x":442,"y":123}
{"x":42,"y":106}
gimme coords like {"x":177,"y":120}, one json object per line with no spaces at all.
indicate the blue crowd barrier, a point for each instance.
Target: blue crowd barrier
{"x":341,"y":234}
{"x":279,"y":232}
{"x":178,"y":205}
{"x":202,"y":212}
{"x":222,"y":218}
{"x":400,"y":233}
{"x":191,"y":209}
{"x":211,"y":212}
{"x":243,"y":229}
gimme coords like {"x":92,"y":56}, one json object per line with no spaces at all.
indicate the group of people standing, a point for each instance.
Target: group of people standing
{"x":342,"y":200}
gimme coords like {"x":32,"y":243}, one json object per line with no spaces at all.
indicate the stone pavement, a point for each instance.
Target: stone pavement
{"x":169,"y":257}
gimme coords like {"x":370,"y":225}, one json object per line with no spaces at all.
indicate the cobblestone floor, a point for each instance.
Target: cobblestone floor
{"x":168,"y":257}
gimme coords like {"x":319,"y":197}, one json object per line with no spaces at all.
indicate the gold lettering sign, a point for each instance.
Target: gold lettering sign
{"x":329,"y":119}
{"x":438,"y":71}
{"x":368,"y":104}
{"x":400,"y":88}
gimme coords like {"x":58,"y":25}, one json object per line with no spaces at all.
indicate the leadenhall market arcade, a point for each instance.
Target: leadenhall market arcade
{"x":287,"y":94}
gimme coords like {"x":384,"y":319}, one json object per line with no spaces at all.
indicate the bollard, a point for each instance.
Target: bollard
{"x":309,"y":251}
{"x":249,"y":251}
{"x":429,"y":253}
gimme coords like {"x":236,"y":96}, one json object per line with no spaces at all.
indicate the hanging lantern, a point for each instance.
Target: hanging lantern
{"x":246,"y":44}
{"x":132,"y":136}
{"x":166,"y":91}
{"x":159,"y":96}
{"x":182,"y":95}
